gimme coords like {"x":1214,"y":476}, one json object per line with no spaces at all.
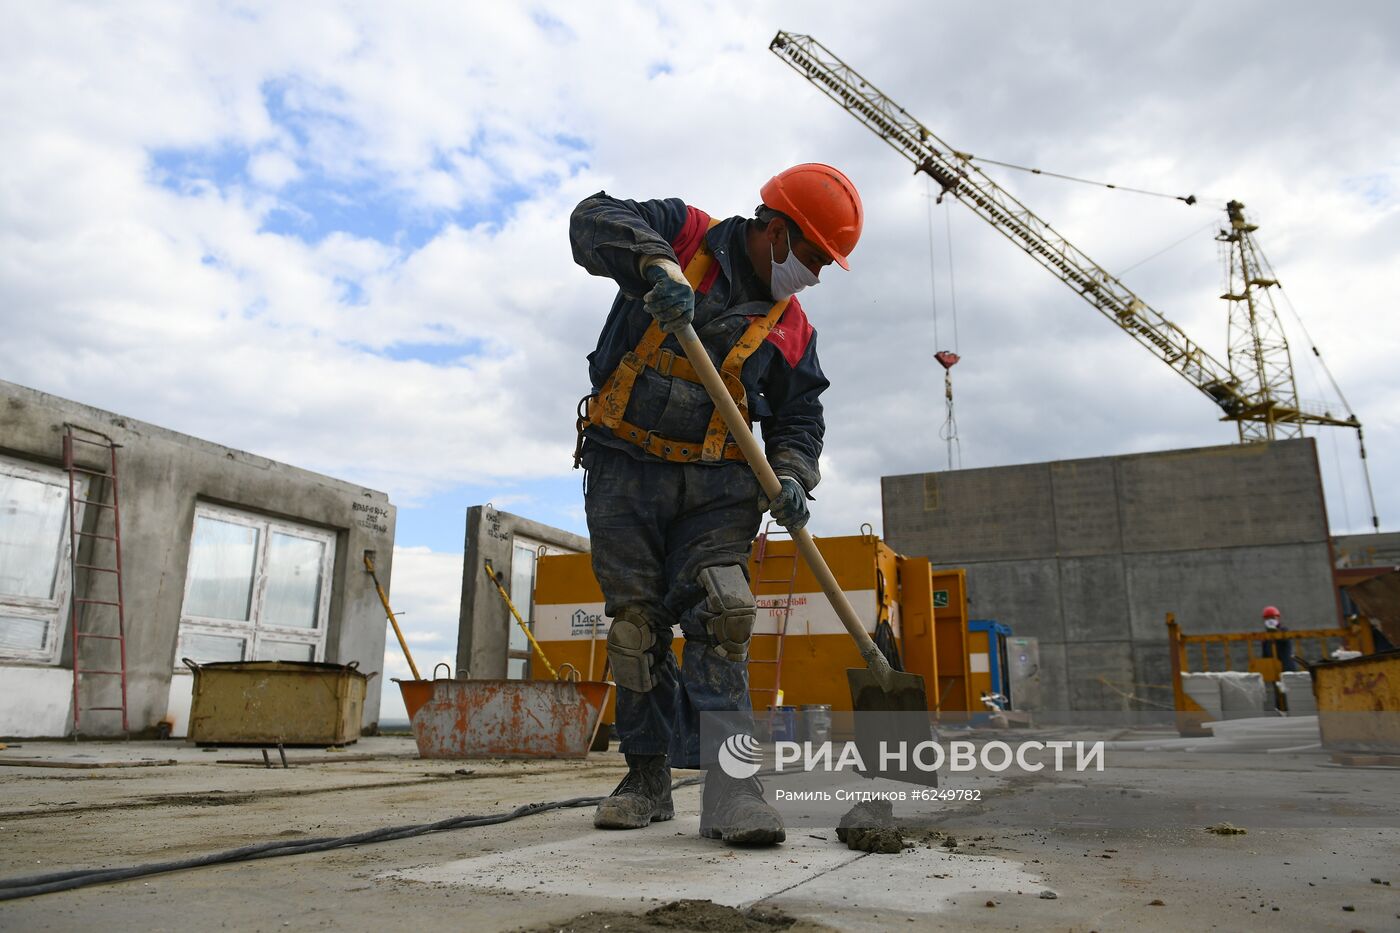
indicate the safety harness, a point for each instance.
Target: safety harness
{"x":607,"y":407}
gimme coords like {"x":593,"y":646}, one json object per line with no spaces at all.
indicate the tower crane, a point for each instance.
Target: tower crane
{"x":1255,"y":390}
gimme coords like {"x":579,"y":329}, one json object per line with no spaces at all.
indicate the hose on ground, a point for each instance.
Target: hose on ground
{"x":31,"y":885}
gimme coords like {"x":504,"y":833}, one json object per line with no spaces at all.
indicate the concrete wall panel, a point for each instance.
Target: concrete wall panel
{"x":1086,"y":508}
{"x":1088,"y":556}
{"x":1054,"y":686}
{"x":1089,"y":664}
{"x":1093,"y":598}
{"x":1000,"y":514}
{"x":1022,"y":594}
{"x":1219,"y":497}
{"x":163,"y":475}
{"x":36,"y":702}
{"x":485,"y":623}
{"x":1152,"y":670}
{"x":1225,"y":590}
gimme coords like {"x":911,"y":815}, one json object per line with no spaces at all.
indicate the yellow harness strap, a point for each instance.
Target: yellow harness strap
{"x":716,"y":434}
{"x":608,"y":407}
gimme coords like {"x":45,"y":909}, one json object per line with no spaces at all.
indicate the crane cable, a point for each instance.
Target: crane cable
{"x":1341,"y":397}
{"x":952,"y":282}
{"x":932,"y":276}
{"x":948,"y":432}
{"x":1188,"y":199}
{"x":1166,"y":249}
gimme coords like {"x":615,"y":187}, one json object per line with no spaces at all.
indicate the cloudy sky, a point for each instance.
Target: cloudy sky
{"x":336,"y":234}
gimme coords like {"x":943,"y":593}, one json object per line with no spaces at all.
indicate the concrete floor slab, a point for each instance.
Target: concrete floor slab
{"x":880,"y":886}
{"x":1123,"y":849}
{"x":664,"y":861}
{"x":812,"y":876}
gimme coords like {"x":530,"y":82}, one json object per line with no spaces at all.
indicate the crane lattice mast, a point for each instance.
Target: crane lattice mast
{"x":1260,"y":407}
{"x":1258,"y":347}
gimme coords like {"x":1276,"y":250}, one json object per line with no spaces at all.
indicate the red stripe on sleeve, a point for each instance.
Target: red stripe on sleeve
{"x":792,"y":334}
{"x":687,"y":242}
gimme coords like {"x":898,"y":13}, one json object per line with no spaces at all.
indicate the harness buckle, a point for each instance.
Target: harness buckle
{"x":665,"y":359}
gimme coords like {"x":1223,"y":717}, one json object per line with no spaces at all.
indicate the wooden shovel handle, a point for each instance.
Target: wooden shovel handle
{"x":743,"y":436}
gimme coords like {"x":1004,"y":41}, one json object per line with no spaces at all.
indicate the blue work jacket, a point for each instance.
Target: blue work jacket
{"x":783,"y":378}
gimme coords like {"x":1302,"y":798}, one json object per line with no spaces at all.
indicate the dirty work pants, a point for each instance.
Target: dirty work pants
{"x":654,"y":526}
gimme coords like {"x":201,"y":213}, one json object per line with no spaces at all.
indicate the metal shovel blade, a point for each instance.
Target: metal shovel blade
{"x":905,"y":694}
{"x":888,"y":715}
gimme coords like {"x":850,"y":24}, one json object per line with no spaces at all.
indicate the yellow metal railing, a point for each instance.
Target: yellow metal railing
{"x":1356,"y":637}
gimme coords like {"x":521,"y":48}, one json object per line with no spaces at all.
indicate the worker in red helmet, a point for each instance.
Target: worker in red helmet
{"x":1282,"y":648}
{"x":672,"y":506}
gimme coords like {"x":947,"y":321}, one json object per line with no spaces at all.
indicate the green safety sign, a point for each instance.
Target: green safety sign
{"x":940,"y":599}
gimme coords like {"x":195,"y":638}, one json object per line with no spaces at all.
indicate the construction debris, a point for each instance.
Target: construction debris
{"x":870,"y":827}
{"x":684,"y":916}
{"x":1226,"y":829}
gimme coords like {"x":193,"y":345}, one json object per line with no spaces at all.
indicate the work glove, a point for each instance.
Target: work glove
{"x":671,"y":300}
{"x":789,"y":509}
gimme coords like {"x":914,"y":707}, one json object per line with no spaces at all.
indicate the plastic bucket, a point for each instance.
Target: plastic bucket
{"x":815,"y":723}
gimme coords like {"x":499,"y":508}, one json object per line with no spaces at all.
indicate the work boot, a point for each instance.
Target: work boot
{"x":643,"y":796}
{"x":734,"y":810}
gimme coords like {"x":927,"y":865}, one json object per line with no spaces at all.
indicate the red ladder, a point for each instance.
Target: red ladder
{"x":83,"y":605}
{"x":779,"y":635}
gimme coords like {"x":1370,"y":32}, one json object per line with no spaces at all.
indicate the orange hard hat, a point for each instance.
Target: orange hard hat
{"x":823,"y":203}
{"x":1271,"y":612}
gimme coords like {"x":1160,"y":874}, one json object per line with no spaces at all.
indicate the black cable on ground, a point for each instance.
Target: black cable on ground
{"x":31,"y":885}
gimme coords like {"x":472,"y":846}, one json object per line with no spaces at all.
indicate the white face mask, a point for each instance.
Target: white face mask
{"x":789,"y":276}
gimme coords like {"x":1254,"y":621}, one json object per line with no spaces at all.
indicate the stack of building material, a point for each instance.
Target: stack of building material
{"x":1296,"y":686}
{"x":1242,"y":695}
{"x":1204,"y":689}
{"x":1227,"y":694}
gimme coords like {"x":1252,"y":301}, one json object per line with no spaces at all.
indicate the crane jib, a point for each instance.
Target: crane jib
{"x":1259,"y":404}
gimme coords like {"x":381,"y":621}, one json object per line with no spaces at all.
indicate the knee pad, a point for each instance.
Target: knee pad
{"x":631,"y":640}
{"x":730,"y":611}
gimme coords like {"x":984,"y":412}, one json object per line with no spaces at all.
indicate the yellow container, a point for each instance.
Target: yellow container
{"x":1358,"y":703}
{"x":276,"y":702}
{"x":950,"y":623}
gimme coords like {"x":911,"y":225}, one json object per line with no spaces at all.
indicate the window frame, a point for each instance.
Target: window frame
{"x":537,"y":549}
{"x":253,"y":630}
{"x":56,"y":610}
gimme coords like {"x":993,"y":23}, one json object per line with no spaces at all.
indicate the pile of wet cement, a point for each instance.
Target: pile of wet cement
{"x":870,"y":827}
{"x":686,"y":916}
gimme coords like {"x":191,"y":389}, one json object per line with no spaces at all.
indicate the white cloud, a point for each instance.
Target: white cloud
{"x":425,"y":594}
{"x":482,"y":125}
{"x":272,"y":169}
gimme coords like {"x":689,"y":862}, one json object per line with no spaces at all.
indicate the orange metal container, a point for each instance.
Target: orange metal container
{"x":927,"y":612}
{"x":504,"y":718}
{"x":950,"y":626}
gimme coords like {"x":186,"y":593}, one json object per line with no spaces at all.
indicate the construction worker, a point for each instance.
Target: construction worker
{"x":1281,"y":648}
{"x":672,"y":506}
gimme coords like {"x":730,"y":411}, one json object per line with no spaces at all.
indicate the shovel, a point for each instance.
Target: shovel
{"x":878,"y":688}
